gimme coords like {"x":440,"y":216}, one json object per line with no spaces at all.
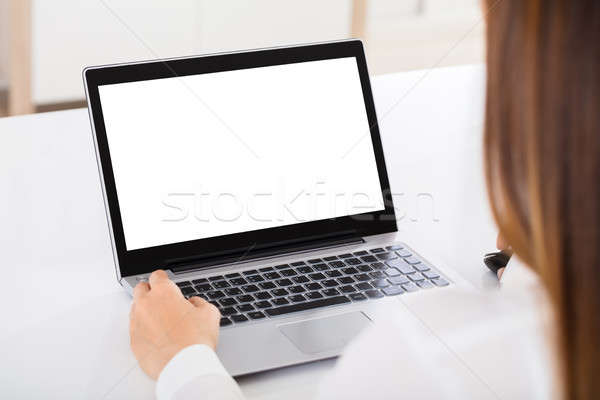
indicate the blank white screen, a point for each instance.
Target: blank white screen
{"x":214,"y":154}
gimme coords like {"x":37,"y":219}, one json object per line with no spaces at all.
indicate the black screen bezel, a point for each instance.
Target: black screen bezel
{"x":145,"y":260}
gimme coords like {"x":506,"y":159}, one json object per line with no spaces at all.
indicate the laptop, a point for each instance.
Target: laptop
{"x":257,"y":180}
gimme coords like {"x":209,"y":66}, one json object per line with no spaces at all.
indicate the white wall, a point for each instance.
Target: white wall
{"x":71,"y":34}
{"x":3,"y":43}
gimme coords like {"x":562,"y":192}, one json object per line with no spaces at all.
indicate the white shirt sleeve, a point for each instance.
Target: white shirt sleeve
{"x":194,"y":372}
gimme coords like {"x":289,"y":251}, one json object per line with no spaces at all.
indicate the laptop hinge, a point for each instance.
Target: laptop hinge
{"x":266,"y":253}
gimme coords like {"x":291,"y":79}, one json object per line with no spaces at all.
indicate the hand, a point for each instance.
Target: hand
{"x":503,"y":246}
{"x":162,"y":322}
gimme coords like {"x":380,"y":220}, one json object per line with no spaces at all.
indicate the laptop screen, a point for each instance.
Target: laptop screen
{"x":214,"y":154}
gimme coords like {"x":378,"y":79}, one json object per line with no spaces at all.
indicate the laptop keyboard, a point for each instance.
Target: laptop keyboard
{"x":314,"y":283}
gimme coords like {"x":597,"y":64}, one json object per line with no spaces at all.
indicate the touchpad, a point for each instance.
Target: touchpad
{"x":325,"y":334}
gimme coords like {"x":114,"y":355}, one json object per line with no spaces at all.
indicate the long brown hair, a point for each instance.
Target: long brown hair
{"x":542,"y":159}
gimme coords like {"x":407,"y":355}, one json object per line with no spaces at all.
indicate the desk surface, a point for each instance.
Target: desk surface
{"x":65,"y":327}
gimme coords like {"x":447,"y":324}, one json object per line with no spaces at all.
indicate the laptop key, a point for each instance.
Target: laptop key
{"x":239,"y":318}
{"x":281,"y":266}
{"x":317,"y":277}
{"x":399,"y":280}
{"x":262,"y":304}
{"x":246,"y":298}
{"x":393,"y":291}
{"x":386,"y":256}
{"x":410,"y":287}
{"x":421,"y":267}
{"x":347,"y":289}
{"x":369,"y":259}
{"x":232,"y":275}
{"x":216,"y":278}
{"x":245,"y":307}
{"x":337,"y":264}
{"x":308,"y":305}
{"x":377,"y":275}
{"x":346,"y":280}
{"x":187,"y":290}
{"x":364,"y":268}
{"x":250,"y":288}
{"x":330,"y":283}
{"x":300,"y":279}
{"x":334,"y":273}
{"x":362,"y":277}
{"x":297,"y":289}
{"x":183,"y":283}
{"x":431,"y":274}
{"x":404,"y":253}
{"x":263,"y":295}
{"x":378,"y":250}
{"x":272,"y":275}
{"x":238,"y":281}
{"x":297,"y":298}
{"x":225,"y":321}
{"x":346,"y":255}
{"x":350,"y":271}
{"x":266,"y":269}
{"x":279,"y":292}
{"x":217,"y":294}
{"x":227,"y":311}
{"x":358,"y":297}
{"x":416,"y":277}
{"x":374,"y":294}
{"x":284,"y":282}
{"x":440,"y":282}
{"x":330,"y":292}
{"x":380,"y":283}
{"x":361,"y":253}
{"x":315,"y":261}
{"x":199,"y":281}
{"x":313,"y":286}
{"x":314,"y":295}
{"x":321,"y":267}
{"x":228,"y":301}
{"x":412,"y":260}
{"x":267,"y":285}
{"x":425,"y":284}
{"x":250,"y":272}
{"x":305,"y":270}
{"x":221,"y":284}
{"x":280,"y":301}
{"x":205,"y":287}
{"x":298,"y":263}
{"x":378,"y":265}
{"x":364,"y":286}
{"x":394,"y":247}
{"x":353,"y":261}
{"x":255,"y":315}
{"x":255,"y":278}
{"x":288,"y":272}
{"x":391,"y":272}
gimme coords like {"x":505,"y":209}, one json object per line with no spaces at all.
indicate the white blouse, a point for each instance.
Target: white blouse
{"x":487,"y":345}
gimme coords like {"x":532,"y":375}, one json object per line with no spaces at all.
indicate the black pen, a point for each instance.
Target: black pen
{"x":497,"y":260}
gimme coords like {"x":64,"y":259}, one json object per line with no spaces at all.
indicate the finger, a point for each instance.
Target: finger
{"x":197,"y":301}
{"x":501,"y":243}
{"x":140,"y":289}
{"x":500,"y":272}
{"x":158,"y":277}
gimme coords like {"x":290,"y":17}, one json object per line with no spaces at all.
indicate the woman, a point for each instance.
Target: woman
{"x":542,"y":160}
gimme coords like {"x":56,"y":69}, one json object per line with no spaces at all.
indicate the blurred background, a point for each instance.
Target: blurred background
{"x":44,"y":44}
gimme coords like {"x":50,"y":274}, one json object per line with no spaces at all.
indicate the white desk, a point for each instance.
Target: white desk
{"x":65,"y":319}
